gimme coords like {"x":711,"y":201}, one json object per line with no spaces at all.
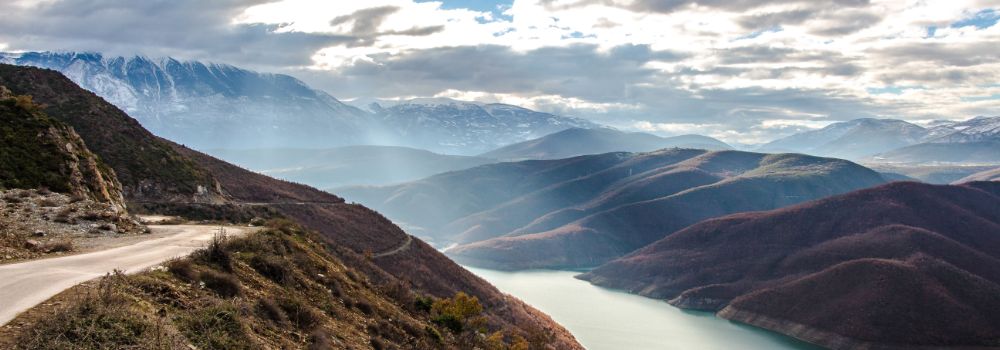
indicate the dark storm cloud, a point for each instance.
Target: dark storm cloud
{"x":184,"y":28}
{"x":365,"y":24}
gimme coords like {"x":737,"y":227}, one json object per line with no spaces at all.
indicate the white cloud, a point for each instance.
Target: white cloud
{"x":748,"y":69}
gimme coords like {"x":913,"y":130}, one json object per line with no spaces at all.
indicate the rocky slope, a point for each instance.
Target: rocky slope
{"x":166,"y":177}
{"x":582,"y":211}
{"x":576,"y":142}
{"x":897,"y":266}
{"x":37,"y":151}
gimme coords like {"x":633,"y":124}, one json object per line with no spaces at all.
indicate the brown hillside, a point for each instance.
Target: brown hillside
{"x":904,"y":264}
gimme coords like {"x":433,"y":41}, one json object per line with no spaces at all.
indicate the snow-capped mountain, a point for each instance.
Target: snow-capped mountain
{"x":211,"y":105}
{"x":460,"y":127}
{"x":973,"y":130}
{"x":852,"y":139}
{"x":193,"y":103}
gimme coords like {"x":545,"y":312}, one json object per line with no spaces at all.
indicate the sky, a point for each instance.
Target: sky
{"x":745,"y":71}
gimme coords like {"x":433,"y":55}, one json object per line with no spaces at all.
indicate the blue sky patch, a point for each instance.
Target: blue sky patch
{"x":982,"y":19}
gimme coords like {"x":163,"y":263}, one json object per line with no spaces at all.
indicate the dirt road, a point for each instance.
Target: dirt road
{"x":24,"y":285}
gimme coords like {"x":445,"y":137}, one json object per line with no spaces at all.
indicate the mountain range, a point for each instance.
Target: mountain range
{"x":161,"y":177}
{"x":986,"y":175}
{"x":583,"y":211}
{"x":903,"y":265}
{"x":218,"y":106}
{"x":577,"y":142}
{"x":975,"y":140}
{"x":349,"y":165}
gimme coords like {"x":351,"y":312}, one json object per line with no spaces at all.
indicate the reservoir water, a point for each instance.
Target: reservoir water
{"x":604,"y":319}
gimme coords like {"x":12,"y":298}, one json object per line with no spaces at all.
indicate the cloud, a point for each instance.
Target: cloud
{"x":742,"y":70}
{"x":183,"y":28}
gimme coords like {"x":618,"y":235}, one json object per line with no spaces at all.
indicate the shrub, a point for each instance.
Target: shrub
{"x":271,"y":311}
{"x":216,"y":253}
{"x":302,"y":315}
{"x":423,"y":304}
{"x":364,"y":307}
{"x":216,"y":327}
{"x":60,"y":246}
{"x":224,"y":284}
{"x":183,"y":269}
{"x":450,"y":322}
{"x":272,"y":267}
{"x":455,"y":312}
{"x":320,"y":340}
{"x":434,"y":333}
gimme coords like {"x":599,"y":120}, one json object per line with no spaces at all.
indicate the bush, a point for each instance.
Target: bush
{"x":183,"y":269}
{"x":450,"y":322}
{"x":216,"y":327}
{"x":272,"y":267}
{"x":60,"y":246}
{"x":216,"y":254}
{"x":224,"y":284}
{"x":302,"y":315}
{"x":271,"y":311}
{"x":423,"y":304}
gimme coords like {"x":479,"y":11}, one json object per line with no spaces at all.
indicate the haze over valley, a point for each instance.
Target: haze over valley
{"x":499,"y":175}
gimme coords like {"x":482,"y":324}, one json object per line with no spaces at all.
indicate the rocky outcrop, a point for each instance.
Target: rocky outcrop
{"x":40,"y":152}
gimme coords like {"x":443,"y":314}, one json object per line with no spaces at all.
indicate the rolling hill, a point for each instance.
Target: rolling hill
{"x":583,"y":211}
{"x":903,"y":265}
{"x":156,"y":169}
{"x":349,"y":165}
{"x":576,"y":142}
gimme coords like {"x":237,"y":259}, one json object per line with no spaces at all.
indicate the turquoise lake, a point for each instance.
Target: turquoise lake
{"x":605,"y":319}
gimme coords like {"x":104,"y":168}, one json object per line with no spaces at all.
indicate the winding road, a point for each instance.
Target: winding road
{"x":24,"y":285}
{"x":401,"y":248}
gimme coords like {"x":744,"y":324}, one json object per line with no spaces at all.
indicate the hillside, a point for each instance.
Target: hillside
{"x":39,"y":152}
{"x":280,"y":288}
{"x":900,"y":265}
{"x":582,"y":211}
{"x":352,"y":231}
{"x":210,"y":105}
{"x":348,"y":166}
{"x":987,"y":175}
{"x":147,"y":168}
{"x":576,"y":142}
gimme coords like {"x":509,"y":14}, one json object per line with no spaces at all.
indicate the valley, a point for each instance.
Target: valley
{"x":527,"y":175}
